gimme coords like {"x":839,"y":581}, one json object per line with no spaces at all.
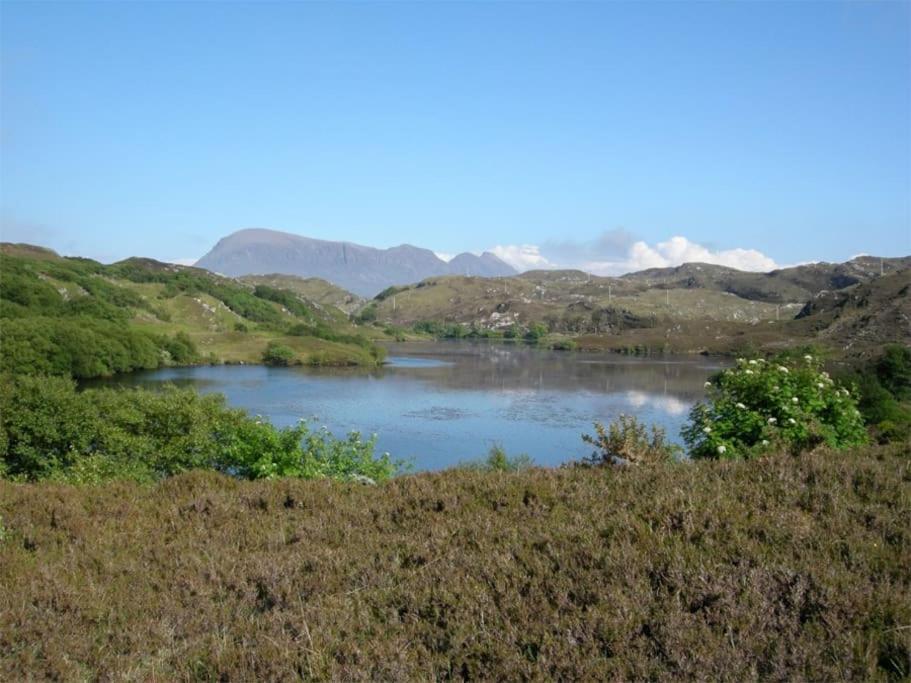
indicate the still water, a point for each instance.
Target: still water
{"x":443,"y":403}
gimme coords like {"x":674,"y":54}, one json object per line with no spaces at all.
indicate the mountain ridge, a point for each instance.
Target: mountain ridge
{"x":363,"y":270}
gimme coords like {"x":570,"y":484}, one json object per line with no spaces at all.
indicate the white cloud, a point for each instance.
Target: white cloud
{"x":615,"y":258}
{"x":676,"y":251}
{"x":522,"y":256}
{"x":443,"y":256}
{"x":183,"y":261}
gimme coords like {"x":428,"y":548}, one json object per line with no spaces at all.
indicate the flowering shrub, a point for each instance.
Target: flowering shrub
{"x":758,"y":405}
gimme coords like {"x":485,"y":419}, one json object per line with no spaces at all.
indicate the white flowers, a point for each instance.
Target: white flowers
{"x":707,"y":385}
{"x":753,"y":362}
{"x":821,"y":385}
{"x":721,"y":450}
{"x":775,"y":388}
{"x":792,"y":421}
{"x":748,"y":372}
{"x":782,"y":368}
{"x":772,"y":420}
{"x":808,"y":357}
{"x":707,"y":430}
{"x":741,"y":406}
{"x":795,"y":400}
{"x":765,"y":442}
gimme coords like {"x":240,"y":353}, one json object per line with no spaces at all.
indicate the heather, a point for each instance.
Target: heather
{"x":774,"y":568}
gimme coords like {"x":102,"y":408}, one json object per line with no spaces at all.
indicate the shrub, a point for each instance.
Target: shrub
{"x":536,"y":331}
{"x":757,"y":405}
{"x":366,"y":315}
{"x":279,"y":354}
{"x":626,"y":440}
{"x":884,"y":387}
{"x":497,"y":460}
{"x":181,"y":348}
{"x":48,"y":430}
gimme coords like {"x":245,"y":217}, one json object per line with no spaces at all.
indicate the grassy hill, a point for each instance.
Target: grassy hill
{"x":313,"y":289}
{"x":693,"y":308}
{"x":779,"y":568}
{"x":77,"y":316}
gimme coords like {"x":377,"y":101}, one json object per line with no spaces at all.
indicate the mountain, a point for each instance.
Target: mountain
{"x":363,"y":270}
{"x":798,"y":283}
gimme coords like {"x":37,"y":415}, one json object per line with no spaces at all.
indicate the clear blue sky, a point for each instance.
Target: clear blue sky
{"x":155,"y":129}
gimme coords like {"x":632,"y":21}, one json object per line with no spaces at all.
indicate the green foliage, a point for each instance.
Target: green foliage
{"x":563,"y":345}
{"x":759,"y":405}
{"x":49,"y":430}
{"x":192,"y":281}
{"x":884,"y":386}
{"x":395,"y":332}
{"x":893,"y":370}
{"x":320,"y":330}
{"x":181,"y":349}
{"x":367,"y":314}
{"x":536,"y":332}
{"x":80,"y":347}
{"x":241,"y":327}
{"x":286,"y":298}
{"x":277,"y":353}
{"x":498,"y":460}
{"x":626,"y":440}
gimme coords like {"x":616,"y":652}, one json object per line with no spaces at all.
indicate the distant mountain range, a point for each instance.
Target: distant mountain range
{"x":363,"y":270}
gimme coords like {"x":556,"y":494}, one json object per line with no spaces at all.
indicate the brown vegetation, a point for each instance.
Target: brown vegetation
{"x":778,"y":568}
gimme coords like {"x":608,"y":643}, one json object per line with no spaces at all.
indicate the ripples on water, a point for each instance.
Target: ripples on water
{"x":443,"y":403}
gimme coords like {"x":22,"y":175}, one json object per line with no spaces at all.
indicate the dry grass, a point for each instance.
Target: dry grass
{"x":782,"y":569}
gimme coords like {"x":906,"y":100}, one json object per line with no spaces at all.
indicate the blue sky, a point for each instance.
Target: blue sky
{"x":563,"y":134}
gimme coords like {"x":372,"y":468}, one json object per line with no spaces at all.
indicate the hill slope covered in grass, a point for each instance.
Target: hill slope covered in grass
{"x":693,"y":308}
{"x":80,"y":317}
{"x":778,"y":568}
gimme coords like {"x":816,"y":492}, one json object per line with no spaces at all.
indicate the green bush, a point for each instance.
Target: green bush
{"x":536,"y":332}
{"x":49,"y":430}
{"x":759,"y":405}
{"x":626,"y":440}
{"x":884,"y":386}
{"x":497,"y":460}
{"x":279,"y":354}
{"x":366,"y":315}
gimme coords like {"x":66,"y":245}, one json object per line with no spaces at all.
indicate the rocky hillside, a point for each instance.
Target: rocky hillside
{"x":359,"y":269}
{"x":865,"y":315}
{"x":800,"y":283}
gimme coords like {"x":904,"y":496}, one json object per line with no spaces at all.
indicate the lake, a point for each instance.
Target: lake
{"x":438,"y":404}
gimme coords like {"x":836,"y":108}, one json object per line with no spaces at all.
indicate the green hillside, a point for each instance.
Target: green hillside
{"x":692,"y":308}
{"x":314,"y":289}
{"x":80,"y":317}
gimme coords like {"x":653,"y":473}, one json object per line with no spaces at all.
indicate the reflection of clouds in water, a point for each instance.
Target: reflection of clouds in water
{"x":665,"y":404}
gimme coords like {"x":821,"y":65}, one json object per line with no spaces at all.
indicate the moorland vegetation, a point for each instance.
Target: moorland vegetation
{"x":777,"y":549}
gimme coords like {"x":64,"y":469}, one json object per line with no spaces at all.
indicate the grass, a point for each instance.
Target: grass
{"x":467,"y":299}
{"x":778,"y":568}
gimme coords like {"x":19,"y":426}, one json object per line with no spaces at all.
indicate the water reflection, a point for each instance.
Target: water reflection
{"x":439,"y":404}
